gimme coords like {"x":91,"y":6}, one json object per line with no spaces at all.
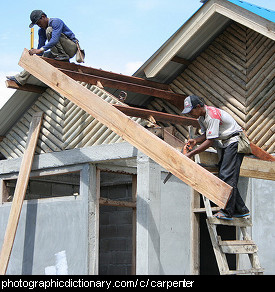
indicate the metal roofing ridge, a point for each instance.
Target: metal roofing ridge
{"x":260,"y":11}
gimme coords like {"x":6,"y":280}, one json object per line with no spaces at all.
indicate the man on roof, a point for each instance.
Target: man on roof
{"x":221,"y":131}
{"x":56,"y":41}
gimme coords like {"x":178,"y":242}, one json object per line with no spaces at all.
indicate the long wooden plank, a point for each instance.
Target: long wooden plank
{"x":162,"y":153}
{"x":20,"y":191}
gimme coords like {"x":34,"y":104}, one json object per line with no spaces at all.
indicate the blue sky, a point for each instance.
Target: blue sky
{"x":117,"y":35}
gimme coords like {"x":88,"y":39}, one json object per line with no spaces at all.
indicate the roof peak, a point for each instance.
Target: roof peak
{"x":261,"y":11}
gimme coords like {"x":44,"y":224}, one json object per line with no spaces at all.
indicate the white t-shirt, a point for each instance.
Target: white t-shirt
{"x":218,"y":124}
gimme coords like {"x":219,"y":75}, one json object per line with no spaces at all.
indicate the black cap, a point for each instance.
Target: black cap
{"x":191,"y":102}
{"x":35,"y":16}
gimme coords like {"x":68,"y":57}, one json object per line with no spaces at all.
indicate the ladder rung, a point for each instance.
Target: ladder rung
{"x":235,"y":242}
{"x":248,"y":271}
{"x":238,"y":246}
{"x":223,"y":247}
{"x":241,"y":222}
{"x":203,"y":210}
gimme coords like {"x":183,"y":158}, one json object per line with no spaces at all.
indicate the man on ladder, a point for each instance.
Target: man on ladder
{"x":221,"y":131}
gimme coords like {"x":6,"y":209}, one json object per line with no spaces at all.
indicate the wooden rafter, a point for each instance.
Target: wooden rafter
{"x":26,"y":87}
{"x":130,"y":111}
{"x":109,"y":79}
{"x":175,"y":98}
{"x":119,"y":81}
{"x":180,"y":60}
{"x":106,"y":74}
{"x":158,"y":116}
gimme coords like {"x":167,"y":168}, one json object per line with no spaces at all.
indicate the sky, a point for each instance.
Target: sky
{"x":117,"y":35}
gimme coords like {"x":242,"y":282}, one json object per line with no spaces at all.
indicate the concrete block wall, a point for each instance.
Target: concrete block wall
{"x":115,"y":227}
{"x":49,"y":187}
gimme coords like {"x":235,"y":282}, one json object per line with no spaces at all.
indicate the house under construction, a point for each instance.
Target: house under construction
{"x":95,"y":201}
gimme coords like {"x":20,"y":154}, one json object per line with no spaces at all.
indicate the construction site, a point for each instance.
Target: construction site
{"x":85,"y":154}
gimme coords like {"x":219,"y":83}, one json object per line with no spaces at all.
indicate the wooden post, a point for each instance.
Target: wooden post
{"x":148,"y":216}
{"x":162,"y":153}
{"x":20,"y":191}
{"x":93,"y":182}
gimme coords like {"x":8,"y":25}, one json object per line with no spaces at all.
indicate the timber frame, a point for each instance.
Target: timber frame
{"x":132,"y":84}
{"x":164,"y":154}
{"x":109,"y":79}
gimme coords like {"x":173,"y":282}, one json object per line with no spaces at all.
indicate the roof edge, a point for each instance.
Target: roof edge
{"x":228,"y":9}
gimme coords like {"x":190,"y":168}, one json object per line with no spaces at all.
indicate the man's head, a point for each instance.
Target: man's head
{"x":40,"y":18}
{"x":194,"y":106}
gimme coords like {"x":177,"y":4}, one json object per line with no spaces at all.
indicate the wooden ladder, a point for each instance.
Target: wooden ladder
{"x":222,"y":247}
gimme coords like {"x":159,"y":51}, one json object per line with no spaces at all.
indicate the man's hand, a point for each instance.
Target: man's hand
{"x":191,"y":143}
{"x":205,"y":145}
{"x":35,"y":51}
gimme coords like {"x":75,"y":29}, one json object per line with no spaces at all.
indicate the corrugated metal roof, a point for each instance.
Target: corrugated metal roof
{"x":65,"y":125}
{"x":16,"y":105}
{"x":263,"y":12}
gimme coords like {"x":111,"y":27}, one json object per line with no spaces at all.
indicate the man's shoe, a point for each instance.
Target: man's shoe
{"x":222,"y":215}
{"x":62,"y":58}
{"x":12,"y":78}
{"x":241,"y":215}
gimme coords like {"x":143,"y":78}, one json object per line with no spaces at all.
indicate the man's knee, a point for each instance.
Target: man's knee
{"x":49,"y":31}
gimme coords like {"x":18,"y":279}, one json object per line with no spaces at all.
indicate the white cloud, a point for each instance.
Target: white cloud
{"x":132,"y":67}
{"x":5,"y":93}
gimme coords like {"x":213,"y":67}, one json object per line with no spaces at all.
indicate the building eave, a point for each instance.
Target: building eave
{"x":199,"y":30}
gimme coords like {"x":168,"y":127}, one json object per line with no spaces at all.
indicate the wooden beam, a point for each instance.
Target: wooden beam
{"x":256,"y":168}
{"x":106,"y":74}
{"x":162,"y":153}
{"x":26,"y":87}
{"x":158,"y":116}
{"x":175,"y":98}
{"x":20,"y":191}
{"x":260,"y":153}
{"x":116,"y":203}
{"x":180,"y":60}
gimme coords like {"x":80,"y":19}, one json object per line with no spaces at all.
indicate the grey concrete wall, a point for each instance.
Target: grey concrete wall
{"x":263,"y":216}
{"x":163,"y":221}
{"x":49,"y":228}
{"x":259,"y":196}
{"x":51,"y":235}
{"x":175,"y":227}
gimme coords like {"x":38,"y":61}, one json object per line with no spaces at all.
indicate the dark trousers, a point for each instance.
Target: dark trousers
{"x":229,"y":171}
